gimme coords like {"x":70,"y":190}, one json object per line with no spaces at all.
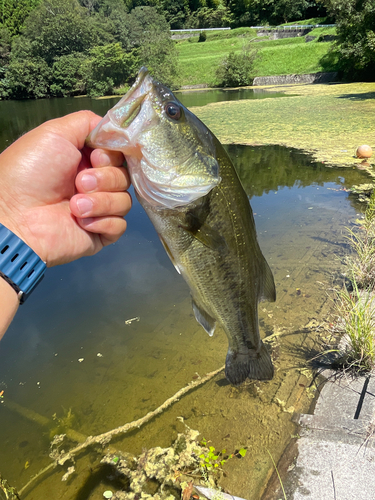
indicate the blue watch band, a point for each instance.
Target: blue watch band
{"x":20,"y":266}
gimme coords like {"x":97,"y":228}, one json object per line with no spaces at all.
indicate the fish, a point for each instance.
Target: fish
{"x":188,"y":186}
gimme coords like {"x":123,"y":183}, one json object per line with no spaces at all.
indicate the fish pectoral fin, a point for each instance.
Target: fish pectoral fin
{"x":208,"y":236}
{"x":204,"y":319}
{"x":169,"y":253}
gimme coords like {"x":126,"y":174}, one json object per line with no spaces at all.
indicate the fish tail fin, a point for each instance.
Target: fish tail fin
{"x":254,"y":365}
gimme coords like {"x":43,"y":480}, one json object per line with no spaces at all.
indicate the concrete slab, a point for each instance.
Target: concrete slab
{"x":336,"y":457}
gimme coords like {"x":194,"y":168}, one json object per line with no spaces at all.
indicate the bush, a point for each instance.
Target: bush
{"x":202,"y":37}
{"x":235,"y":70}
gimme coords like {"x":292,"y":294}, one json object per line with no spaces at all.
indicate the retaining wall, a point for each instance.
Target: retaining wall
{"x":285,"y":79}
{"x":276,"y":34}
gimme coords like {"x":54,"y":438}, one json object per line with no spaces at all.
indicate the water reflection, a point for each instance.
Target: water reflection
{"x":203,"y":97}
{"x":268,"y":168}
{"x":17,"y":117}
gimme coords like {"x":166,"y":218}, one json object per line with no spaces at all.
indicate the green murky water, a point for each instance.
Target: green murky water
{"x":203,"y":97}
{"x":81,"y":309}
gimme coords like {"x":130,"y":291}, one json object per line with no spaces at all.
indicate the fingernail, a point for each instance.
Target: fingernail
{"x":89,"y":182}
{"x":84,"y":205}
{"x":104,"y":160}
{"x":87,"y":221}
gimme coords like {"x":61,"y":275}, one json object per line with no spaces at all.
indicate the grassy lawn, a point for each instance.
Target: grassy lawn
{"x":329,"y":121}
{"x":198,"y":61}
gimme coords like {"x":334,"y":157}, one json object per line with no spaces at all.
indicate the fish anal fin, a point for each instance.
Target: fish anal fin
{"x":169,"y":253}
{"x":204,"y":319}
{"x":268,"y":291}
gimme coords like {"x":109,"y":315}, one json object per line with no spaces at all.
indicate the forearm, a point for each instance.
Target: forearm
{"x":8,"y":305}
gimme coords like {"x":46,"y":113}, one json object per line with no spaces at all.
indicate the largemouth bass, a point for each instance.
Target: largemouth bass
{"x":189,"y":188}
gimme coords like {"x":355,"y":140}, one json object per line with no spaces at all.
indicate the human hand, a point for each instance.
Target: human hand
{"x":52,"y":198}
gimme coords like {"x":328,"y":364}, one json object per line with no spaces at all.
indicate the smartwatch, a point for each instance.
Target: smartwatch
{"x":20,"y":266}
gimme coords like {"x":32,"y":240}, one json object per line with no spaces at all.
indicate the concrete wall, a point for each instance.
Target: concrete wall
{"x":285,"y":79}
{"x":276,"y":34}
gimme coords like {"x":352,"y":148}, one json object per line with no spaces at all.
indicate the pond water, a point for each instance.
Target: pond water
{"x":203,"y":97}
{"x":81,"y":310}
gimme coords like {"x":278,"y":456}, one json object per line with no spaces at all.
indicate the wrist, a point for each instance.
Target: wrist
{"x":9,"y":305}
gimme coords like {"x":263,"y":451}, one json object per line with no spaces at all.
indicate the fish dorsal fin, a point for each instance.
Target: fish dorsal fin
{"x":268,"y":291}
{"x":204,"y":319}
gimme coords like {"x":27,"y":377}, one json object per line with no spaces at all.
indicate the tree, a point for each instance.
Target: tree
{"x":355,"y":21}
{"x":149,"y":33}
{"x":68,"y":75}
{"x":109,"y":66}
{"x":289,"y":10}
{"x":175,"y":12}
{"x":206,"y":17}
{"x":28,"y":78}
{"x":5,"y":41}
{"x":14,"y":12}
{"x":56,"y":28}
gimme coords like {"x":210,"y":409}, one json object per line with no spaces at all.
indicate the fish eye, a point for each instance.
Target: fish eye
{"x":173,"y":110}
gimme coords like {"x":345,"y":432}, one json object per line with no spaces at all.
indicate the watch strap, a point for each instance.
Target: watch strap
{"x":20,"y":266}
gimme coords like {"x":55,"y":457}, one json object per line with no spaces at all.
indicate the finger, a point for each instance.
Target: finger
{"x":74,"y":127}
{"x":110,"y":229}
{"x":103,"y":158}
{"x":101,"y":204}
{"x":110,"y":179}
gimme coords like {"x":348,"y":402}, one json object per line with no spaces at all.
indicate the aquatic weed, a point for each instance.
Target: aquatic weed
{"x":356,"y":322}
{"x":362,"y":264}
{"x":214,"y":459}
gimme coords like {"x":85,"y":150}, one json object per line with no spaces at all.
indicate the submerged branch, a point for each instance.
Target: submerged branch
{"x":106,"y":437}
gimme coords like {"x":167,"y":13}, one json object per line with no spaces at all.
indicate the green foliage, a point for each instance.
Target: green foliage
{"x":273,"y":12}
{"x":236,"y":69}
{"x":202,"y":37}
{"x":58,"y":28}
{"x":289,"y":9}
{"x":28,"y":78}
{"x":356,"y":322}
{"x":5,"y":40}
{"x":355,"y":37}
{"x":68,"y":75}
{"x":176,"y":12}
{"x":109,"y":66}
{"x":14,"y":12}
{"x":210,"y":18}
{"x":156,"y":50}
{"x":216,"y":459}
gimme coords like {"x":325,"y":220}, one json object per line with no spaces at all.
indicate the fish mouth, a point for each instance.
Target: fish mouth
{"x":122,"y":117}
{"x":128,"y":107}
